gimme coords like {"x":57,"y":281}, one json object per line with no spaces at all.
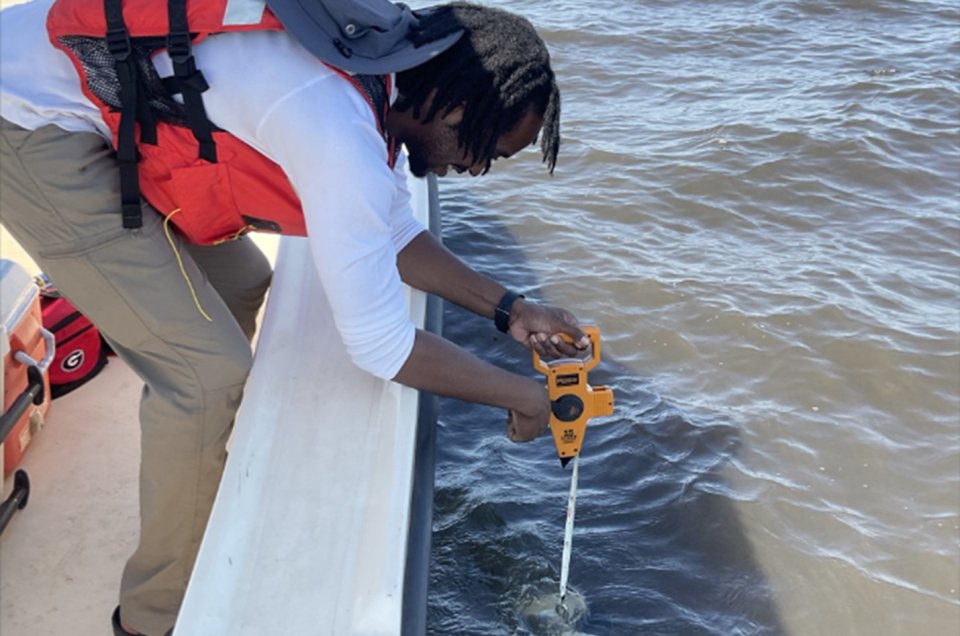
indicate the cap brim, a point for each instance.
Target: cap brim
{"x":313,"y":31}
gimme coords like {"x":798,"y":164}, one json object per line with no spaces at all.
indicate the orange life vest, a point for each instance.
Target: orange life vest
{"x":210,"y":184}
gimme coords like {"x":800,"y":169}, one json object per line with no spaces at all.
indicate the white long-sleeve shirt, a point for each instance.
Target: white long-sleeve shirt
{"x":275,"y":96}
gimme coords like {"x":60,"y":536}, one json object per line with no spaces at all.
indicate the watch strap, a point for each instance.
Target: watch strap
{"x":501,"y":316}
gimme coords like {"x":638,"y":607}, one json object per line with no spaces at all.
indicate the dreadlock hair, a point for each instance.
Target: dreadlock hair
{"x":499,"y":70}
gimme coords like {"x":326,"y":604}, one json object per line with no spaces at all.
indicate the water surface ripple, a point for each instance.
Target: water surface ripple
{"x":757,"y":202}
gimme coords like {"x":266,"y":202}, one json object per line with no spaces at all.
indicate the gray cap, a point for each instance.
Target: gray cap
{"x":358,"y":36}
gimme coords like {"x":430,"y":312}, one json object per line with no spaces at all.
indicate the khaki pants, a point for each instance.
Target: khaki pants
{"x":59,"y":197}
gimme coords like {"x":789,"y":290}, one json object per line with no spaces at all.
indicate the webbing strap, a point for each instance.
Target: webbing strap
{"x":145,"y":115}
{"x":118,"y":42}
{"x":190,"y":81}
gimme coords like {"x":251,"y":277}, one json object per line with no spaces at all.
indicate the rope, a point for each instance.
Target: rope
{"x":183,"y":270}
{"x":236,"y":235}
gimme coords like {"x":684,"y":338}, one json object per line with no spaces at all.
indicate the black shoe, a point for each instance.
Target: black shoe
{"x":118,"y":629}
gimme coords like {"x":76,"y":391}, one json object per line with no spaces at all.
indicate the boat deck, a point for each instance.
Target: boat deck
{"x":61,"y":556}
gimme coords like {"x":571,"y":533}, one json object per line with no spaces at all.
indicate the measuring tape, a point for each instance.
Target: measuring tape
{"x":573,"y":402}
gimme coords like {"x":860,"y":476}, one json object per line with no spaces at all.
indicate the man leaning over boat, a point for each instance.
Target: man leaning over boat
{"x":139,"y":147}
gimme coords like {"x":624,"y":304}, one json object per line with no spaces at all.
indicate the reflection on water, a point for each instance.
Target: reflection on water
{"x":756,"y":201}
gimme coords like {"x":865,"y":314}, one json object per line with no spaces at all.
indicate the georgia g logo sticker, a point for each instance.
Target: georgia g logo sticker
{"x":72,"y":361}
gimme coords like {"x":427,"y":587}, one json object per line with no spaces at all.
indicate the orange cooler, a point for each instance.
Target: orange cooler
{"x":24,"y":343}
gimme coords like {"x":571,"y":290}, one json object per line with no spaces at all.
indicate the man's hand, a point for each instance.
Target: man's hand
{"x":538,"y":327}
{"x":529,"y":423}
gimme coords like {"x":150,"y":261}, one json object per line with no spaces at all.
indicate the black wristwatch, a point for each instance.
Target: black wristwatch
{"x":501,"y":316}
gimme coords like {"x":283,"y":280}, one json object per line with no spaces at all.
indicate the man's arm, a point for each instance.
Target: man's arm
{"x":441,"y":367}
{"x":444,"y":368}
{"x":427,"y":265}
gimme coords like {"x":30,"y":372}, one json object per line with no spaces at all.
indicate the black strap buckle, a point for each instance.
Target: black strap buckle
{"x":118,"y":43}
{"x":178,"y":47}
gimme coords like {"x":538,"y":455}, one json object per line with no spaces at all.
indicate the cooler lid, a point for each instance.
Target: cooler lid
{"x":17,"y":292}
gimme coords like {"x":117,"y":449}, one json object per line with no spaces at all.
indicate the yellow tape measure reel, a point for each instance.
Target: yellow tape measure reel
{"x":573,"y":401}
